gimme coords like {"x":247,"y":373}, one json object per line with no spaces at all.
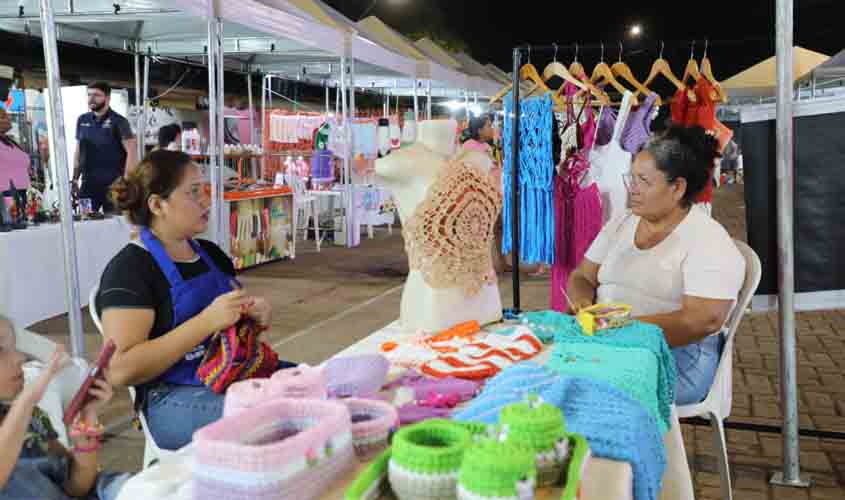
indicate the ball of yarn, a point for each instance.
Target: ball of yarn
{"x":493,"y":469}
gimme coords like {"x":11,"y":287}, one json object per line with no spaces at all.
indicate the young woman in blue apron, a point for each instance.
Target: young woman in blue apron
{"x":34,"y":465}
{"x":164,"y":295}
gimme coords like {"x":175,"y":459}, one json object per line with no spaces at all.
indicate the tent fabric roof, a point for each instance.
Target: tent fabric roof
{"x":761,"y":79}
{"x":376,"y":29}
{"x":437,"y":53}
{"x":832,"y":68}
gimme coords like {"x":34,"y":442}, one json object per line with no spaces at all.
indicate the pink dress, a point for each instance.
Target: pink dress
{"x":14,"y":166}
{"x":578,"y":213}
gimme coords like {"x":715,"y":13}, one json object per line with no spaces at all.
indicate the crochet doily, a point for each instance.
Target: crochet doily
{"x":448,"y":238}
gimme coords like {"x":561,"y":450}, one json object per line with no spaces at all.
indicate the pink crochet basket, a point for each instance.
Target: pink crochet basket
{"x":301,"y":382}
{"x":372,"y":424}
{"x":289,"y":448}
{"x":356,"y":376}
{"x":245,"y":395}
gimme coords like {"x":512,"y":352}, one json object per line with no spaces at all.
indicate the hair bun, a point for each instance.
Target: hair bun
{"x":127,"y":194}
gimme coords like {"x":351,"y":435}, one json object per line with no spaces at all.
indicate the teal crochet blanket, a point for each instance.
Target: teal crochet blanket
{"x":574,"y":353}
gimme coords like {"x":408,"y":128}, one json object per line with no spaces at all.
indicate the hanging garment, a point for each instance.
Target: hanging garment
{"x":337,"y":138}
{"x":365,"y":139}
{"x":409,"y":131}
{"x":578,"y":214}
{"x":535,"y":167}
{"x":638,"y":127}
{"x":448,"y":237}
{"x":609,"y":163}
{"x":582,"y":136}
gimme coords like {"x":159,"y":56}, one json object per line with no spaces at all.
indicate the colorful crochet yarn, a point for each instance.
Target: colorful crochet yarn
{"x":372,"y":424}
{"x":536,"y":167}
{"x":296,"y":383}
{"x":495,"y":470}
{"x":485,"y":358}
{"x":540,"y":428}
{"x":236,"y":354}
{"x":290,"y":448}
{"x":356,"y":376}
{"x":426,"y":458}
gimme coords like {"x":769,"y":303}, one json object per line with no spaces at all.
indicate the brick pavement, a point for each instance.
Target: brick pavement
{"x":821,"y":386}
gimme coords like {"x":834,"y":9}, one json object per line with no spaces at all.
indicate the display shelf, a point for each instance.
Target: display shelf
{"x":260,"y":226}
{"x":256,"y":194}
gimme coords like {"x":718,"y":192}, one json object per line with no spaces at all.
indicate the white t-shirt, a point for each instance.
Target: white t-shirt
{"x":698,"y":259}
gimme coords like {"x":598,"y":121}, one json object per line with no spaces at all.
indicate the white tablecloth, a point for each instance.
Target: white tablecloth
{"x":32,"y":279}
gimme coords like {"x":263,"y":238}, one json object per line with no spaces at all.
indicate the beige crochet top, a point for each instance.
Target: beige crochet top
{"x":449,"y":236}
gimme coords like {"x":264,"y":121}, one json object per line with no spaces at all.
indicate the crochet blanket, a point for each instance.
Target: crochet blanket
{"x":616,"y":426}
{"x":536,"y":168}
{"x":636,"y":335}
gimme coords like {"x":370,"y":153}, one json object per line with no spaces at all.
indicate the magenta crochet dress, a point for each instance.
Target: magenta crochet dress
{"x":578,"y":214}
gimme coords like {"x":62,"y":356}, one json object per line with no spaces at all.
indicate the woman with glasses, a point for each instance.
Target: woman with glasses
{"x":164,"y":295}
{"x":677,"y":267}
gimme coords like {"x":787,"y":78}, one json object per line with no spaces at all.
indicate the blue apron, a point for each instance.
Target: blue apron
{"x":189,"y":298}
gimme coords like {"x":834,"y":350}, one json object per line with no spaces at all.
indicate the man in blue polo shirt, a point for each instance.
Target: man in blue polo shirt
{"x":105,"y":148}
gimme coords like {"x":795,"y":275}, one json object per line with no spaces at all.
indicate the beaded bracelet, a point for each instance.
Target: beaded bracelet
{"x":82,"y":429}
{"x":89,"y":449}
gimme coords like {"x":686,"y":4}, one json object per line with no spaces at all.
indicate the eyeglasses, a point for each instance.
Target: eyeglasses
{"x":635,"y":182}
{"x":200,"y":192}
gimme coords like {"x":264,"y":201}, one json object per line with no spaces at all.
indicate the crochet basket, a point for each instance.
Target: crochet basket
{"x":236,"y":354}
{"x":282,"y":450}
{"x":426,"y":459}
{"x":245,"y":395}
{"x":300,"y":382}
{"x":541,"y":428}
{"x":495,"y":470}
{"x":372,"y":424}
{"x":356,"y":376}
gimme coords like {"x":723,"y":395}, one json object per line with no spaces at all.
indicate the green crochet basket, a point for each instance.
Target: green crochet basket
{"x":425,"y":460}
{"x":496,"y":470}
{"x":541,"y":428}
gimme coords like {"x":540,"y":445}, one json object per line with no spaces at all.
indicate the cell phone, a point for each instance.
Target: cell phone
{"x":83,"y":397}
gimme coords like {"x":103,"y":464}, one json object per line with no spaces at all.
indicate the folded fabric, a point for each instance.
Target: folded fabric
{"x":356,"y":376}
{"x":629,"y":369}
{"x":424,"y":386}
{"x":617,"y":426}
{"x":290,"y":448}
{"x":485,"y":358}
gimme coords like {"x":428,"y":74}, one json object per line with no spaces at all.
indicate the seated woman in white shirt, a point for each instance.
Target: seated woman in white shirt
{"x":678,"y":268}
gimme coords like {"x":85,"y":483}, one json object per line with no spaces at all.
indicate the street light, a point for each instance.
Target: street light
{"x":373,"y":6}
{"x":636,"y":30}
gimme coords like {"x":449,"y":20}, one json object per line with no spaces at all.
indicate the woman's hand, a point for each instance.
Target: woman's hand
{"x":260,"y":311}
{"x":580,"y":304}
{"x":226,"y":310}
{"x":102,"y":392}
{"x":33,"y":393}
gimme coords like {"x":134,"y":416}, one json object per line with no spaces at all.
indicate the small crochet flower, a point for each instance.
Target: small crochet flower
{"x":311,"y":458}
{"x":562,"y":449}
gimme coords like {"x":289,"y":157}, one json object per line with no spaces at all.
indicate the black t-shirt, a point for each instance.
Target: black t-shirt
{"x":133,"y":280}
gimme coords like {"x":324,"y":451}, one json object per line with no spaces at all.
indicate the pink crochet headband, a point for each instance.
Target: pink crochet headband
{"x":289,"y":448}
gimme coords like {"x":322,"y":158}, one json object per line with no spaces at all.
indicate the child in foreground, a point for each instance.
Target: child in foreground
{"x":34,"y":464}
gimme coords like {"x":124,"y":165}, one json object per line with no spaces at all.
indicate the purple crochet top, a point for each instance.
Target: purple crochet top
{"x":637,"y":129}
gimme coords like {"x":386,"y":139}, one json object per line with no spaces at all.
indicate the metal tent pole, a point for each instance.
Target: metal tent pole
{"x":347,"y":126}
{"x":214,"y":173}
{"x":59,"y":164}
{"x":139,"y":145}
{"x":466,"y":104}
{"x":221,"y":134}
{"x":514,"y":118}
{"x":142,"y":129}
{"x":428,"y":103}
{"x":416,"y":101}
{"x":328,"y":99}
{"x":791,"y":475}
{"x":350,"y":202}
{"x":252,"y":138}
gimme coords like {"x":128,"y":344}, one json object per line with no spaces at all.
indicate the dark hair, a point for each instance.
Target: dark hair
{"x":168,"y":134}
{"x":159,"y":173}
{"x":103,"y":86}
{"x":473,"y":130}
{"x":688,"y":153}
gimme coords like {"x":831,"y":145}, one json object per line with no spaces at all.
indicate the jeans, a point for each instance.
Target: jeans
{"x":42,"y":478}
{"x":175,"y":412}
{"x":697,"y":364}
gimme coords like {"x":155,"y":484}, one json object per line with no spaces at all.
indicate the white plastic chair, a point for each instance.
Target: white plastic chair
{"x":152,"y":452}
{"x":306,"y":204}
{"x":717,"y":405}
{"x":64,"y":385}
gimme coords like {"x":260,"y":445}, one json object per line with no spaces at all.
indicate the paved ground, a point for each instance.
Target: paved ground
{"x":325,"y":302}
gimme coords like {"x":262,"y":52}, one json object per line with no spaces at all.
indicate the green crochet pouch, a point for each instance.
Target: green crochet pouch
{"x":372,"y":482}
{"x":577,"y":465}
{"x":431,"y":447}
{"x":492,"y":469}
{"x":533,"y":424}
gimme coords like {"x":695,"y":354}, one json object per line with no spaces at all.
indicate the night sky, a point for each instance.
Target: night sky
{"x":741,"y":31}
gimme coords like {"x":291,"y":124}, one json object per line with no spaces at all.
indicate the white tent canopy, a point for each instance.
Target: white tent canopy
{"x":760,"y":80}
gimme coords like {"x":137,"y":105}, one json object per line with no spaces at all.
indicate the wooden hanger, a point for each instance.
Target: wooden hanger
{"x":602,"y":73}
{"x":557,"y":69}
{"x":622,"y":70}
{"x":661,"y":67}
{"x":707,"y":73}
{"x":576,"y":68}
{"x":527,"y":73}
{"x":692,"y":67}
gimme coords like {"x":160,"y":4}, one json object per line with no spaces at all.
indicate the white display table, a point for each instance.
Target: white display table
{"x":32,"y":276}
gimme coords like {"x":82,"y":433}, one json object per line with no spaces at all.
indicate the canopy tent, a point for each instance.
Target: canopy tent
{"x":497,"y":74}
{"x":832,"y":69}
{"x":760,"y":80}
